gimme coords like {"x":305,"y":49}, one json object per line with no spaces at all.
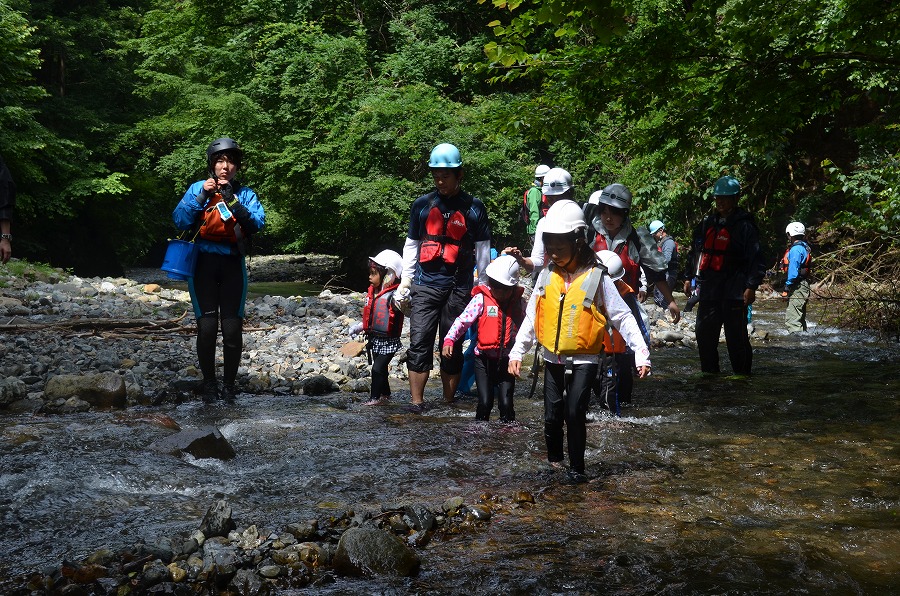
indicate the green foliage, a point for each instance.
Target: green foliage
{"x":106,"y":109}
{"x":688,"y":91}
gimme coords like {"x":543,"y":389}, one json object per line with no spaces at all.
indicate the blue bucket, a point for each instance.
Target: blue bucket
{"x":180,"y":259}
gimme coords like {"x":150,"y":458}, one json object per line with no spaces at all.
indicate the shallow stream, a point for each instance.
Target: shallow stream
{"x":785,"y":483}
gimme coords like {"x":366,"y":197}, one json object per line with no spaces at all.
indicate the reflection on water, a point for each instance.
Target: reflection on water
{"x":788,"y":482}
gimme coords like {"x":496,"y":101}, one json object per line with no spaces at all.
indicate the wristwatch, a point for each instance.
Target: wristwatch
{"x":6,"y":237}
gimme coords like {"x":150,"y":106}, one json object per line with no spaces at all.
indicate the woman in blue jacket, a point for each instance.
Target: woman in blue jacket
{"x":222,"y":213}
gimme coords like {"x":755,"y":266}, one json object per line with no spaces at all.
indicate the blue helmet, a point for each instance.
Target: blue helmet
{"x":655,"y":226}
{"x":727,"y":186}
{"x":445,"y":155}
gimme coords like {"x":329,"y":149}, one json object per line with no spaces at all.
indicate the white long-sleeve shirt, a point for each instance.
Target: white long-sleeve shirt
{"x":617,"y":314}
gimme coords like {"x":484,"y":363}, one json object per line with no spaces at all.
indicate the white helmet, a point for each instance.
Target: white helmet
{"x":594,"y":199}
{"x":541,"y":170}
{"x":556,"y":182}
{"x":616,"y":195}
{"x":613,"y":264}
{"x":563,"y":217}
{"x":795,"y":228}
{"x":390,"y":259}
{"x":504,"y":269}
{"x":655,"y":226}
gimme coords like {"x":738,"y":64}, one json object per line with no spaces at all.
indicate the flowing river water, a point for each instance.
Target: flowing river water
{"x":785,"y":483}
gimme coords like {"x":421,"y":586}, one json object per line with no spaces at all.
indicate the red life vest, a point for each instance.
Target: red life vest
{"x":444,"y":234}
{"x":803,"y":273}
{"x":379,"y":317}
{"x":632,"y":275}
{"x":213,"y":227}
{"x":497,"y":328}
{"x":715,"y":248}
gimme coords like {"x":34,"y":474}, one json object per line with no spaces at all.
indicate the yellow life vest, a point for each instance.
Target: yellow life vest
{"x":567,"y":322}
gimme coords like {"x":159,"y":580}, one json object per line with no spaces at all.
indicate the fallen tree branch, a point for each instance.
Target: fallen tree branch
{"x":144,"y":325}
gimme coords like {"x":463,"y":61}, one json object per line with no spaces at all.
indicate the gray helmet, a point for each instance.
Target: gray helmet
{"x":616,"y":195}
{"x":224,"y":145}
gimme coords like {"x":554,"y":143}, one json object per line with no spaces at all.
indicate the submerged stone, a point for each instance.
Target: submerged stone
{"x":368,"y":551}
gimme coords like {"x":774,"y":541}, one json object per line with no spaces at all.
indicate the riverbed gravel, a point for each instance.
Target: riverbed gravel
{"x":59,"y":324}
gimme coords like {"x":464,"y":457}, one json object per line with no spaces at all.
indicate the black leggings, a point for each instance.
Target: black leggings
{"x":566,"y":399}
{"x":712,"y":316}
{"x":218,"y":291}
{"x":380,"y":385}
{"x":615,"y":382}
{"x":491,"y":374}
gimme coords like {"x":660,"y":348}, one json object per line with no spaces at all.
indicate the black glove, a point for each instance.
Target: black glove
{"x":242,"y":214}
{"x":227,"y":192}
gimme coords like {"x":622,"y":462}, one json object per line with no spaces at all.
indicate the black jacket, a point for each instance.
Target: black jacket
{"x":7,"y":192}
{"x":743,"y":265}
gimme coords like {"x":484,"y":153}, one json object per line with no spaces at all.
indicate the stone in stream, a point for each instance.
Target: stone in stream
{"x":369,"y":551}
{"x":102,"y":390}
{"x":217,"y":521}
{"x":206,"y":442}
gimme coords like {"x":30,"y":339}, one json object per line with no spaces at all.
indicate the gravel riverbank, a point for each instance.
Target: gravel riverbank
{"x":133,"y":330}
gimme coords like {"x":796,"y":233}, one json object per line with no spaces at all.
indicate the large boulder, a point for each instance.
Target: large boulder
{"x":206,"y":442}
{"x":370,"y":551}
{"x":101,"y":390}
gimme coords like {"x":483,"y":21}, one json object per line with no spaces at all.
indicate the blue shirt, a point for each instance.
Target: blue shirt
{"x":797,"y":254}
{"x":191,"y":206}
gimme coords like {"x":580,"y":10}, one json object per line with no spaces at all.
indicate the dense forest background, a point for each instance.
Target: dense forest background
{"x":106,"y":108}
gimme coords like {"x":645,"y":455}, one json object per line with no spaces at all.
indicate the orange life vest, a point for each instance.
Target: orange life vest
{"x":379,"y":317}
{"x":613,"y":342}
{"x":213,"y":227}
{"x":497,"y":327}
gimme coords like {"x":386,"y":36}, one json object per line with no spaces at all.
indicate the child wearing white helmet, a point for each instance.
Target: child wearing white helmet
{"x":382,"y":321}
{"x":498,"y":308}
{"x":616,"y":381}
{"x":569,"y":313}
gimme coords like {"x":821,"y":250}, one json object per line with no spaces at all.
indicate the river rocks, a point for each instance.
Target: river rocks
{"x":221,"y":557}
{"x":11,"y":389}
{"x":217,"y":521}
{"x":318,"y":385}
{"x":365,"y":551}
{"x":102,"y":390}
{"x":201,"y":443}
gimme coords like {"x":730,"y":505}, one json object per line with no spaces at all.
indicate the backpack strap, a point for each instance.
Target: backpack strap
{"x":591,"y":284}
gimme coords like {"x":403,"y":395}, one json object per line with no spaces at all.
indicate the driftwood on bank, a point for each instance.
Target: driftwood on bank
{"x":106,"y":327}
{"x":113,"y":328}
{"x":857,"y":286}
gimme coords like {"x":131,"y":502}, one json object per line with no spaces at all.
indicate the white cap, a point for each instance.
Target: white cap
{"x":390,"y":259}
{"x":504,"y":269}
